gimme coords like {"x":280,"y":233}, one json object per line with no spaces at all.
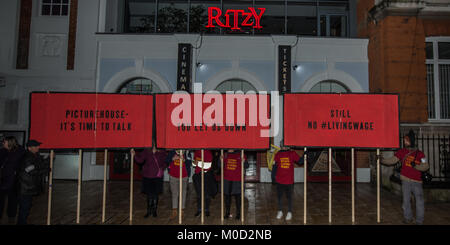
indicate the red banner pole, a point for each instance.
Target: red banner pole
{"x":329,"y":185}
{"x":105,"y":164}
{"x":242,"y":186}
{"x":203,"y":188}
{"x":50,"y":182}
{"x":79,"y":185}
{"x":378,"y":186}
{"x":353,"y":185}
{"x":180,"y":192}
{"x":131,"y":186}
{"x":305,"y":172}
{"x":221,"y":185}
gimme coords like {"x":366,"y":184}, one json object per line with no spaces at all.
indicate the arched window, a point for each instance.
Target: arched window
{"x":235,"y":85}
{"x":139,"y":86}
{"x":329,"y":86}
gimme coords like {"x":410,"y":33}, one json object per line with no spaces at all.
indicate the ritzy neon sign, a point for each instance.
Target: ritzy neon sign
{"x":246,"y":16}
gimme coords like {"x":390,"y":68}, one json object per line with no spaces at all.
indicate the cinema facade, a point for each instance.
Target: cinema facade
{"x":155,"y":47}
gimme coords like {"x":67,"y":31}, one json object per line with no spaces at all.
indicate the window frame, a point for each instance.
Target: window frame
{"x":41,"y":4}
{"x":436,"y":62}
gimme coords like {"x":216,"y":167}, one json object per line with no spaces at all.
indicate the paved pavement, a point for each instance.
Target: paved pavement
{"x":260,"y":206}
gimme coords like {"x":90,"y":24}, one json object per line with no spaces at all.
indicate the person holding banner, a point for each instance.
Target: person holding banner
{"x":153,"y":166}
{"x":31,"y":174}
{"x":10,"y":156}
{"x":284,"y":162}
{"x":232,"y":181}
{"x":210,"y":184}
{"x":173,"y":159}
{"x":413,"y":164}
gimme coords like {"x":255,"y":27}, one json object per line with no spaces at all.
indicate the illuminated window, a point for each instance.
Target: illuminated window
{"x":235,"y":85}
{"x":329,"y":86}
{"x":139,"y":86}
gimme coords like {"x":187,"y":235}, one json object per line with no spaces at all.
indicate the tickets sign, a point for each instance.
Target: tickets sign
{"x":212,"y":121}
{"x":341,"y":120}
{"x":89,"y":120}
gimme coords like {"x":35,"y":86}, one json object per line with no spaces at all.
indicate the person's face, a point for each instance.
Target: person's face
{"x":406,"y":141}
{"x":33,"y":149}
{"x":5,"y":144}
{"x":230,"y":150}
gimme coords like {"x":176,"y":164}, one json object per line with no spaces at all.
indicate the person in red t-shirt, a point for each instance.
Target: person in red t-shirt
{"x":210,"y":184}
{"x":284,"y":176}
{"x":232,"y":180}
{"x":413,"y":164}
{"x":173,"y":159}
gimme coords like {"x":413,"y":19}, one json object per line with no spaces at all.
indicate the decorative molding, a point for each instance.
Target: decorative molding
{"x":50,"y":45}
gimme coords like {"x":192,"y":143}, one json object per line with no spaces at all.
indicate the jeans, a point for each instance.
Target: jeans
{"x":25,"y":202}
{"x":409,"y":187}
{"x":288,"y":190}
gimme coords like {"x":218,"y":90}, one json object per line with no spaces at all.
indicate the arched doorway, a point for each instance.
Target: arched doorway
{"x":341,"y":158}
{"x":252,"y":173}
{"x":120,"y":160}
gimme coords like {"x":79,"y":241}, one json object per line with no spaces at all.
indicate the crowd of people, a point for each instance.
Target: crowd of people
{"x":23,"y":172}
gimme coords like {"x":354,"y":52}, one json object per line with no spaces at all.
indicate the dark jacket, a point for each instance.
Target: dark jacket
{"x":31,"y":173}
{"x":9,"y":165}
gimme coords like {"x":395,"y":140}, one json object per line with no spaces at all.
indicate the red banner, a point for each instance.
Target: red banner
{"x":341,"y":120}
{"x":89,"y":120}
{"x":212,"y":121}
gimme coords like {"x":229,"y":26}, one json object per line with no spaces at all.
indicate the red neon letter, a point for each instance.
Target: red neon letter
{"x":247,"y":18}
{"x":257,"y":17}
{"x":211,"y":17}
{"x":235,"y":19}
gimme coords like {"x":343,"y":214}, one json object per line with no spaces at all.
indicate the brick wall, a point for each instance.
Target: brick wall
{"x":397,"y":57}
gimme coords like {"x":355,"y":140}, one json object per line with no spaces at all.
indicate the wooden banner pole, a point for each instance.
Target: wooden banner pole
{"x":50,"y":182}
{"x":242,"y":186}
{"x":203,"y":188}
{"x":79,"y":184}
{"x":305,"y":167}
{"x":221,"y":186}
{"x":330,"y":170}
{"x":353,"y":185}
{"x":180,"y":192}
{"x":131,"y":187}
{"x":105,"y":164}
{"x":378,"y":186}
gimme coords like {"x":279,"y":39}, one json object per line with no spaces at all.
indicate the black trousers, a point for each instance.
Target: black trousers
{"x":12,"y":202}
{"x":25,"y":202}
{"x":284,"y":189}
{"x":228,"y":203}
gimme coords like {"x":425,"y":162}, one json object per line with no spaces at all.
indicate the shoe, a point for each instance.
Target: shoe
{"x":174,"y":213}
{"x":280,"y":214}
{"x":289,"y":216}
{"x":207,"y":213}
{"x":197,"y":214}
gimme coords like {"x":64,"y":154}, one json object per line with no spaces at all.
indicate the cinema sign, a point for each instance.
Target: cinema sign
{"x":215,"y":14}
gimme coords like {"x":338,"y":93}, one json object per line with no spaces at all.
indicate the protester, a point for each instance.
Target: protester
{"x":232,"y":181}
{"x":210,"y":184}
{"x":153,"y":165}
{"x":10,"y":156}
{"x":31,"y":174}
{"x":284,"y":163}
{"x":413,"y":164}
{"x":173,"y":159}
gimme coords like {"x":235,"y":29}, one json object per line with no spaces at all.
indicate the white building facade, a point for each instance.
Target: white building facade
{"x":108,"y":62}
